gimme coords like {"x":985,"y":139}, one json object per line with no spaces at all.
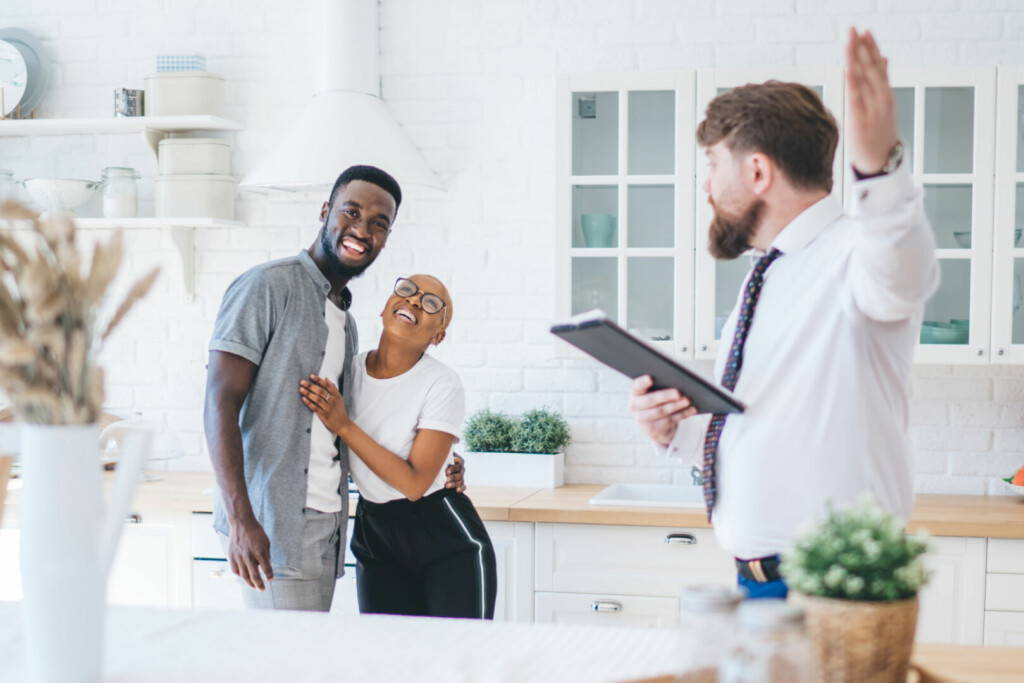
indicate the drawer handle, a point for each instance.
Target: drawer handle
{"x":606,"y":606}
{"x":134,"y":518}
{"x":681,"y":539}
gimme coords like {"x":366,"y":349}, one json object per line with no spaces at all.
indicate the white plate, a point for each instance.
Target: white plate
{"x":13,"y":76}
{"x":36,"y":65}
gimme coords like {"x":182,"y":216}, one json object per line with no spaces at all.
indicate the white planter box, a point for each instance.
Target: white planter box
{"x":539,"y":470}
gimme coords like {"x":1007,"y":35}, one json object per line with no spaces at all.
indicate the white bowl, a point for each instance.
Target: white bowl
{"x":60,"y":194}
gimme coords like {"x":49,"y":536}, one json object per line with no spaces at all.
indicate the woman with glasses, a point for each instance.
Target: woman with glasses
{"x":421,"y":548}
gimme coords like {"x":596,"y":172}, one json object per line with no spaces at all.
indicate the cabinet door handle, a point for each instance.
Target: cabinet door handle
{"x":134,"y":518}
{"x":681,"y":539}
{"x":606,"y":606}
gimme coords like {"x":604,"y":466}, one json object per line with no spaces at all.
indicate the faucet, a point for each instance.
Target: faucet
{"x":696,"y":476}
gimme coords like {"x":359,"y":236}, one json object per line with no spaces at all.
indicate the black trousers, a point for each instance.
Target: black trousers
{"x":431,"y":557}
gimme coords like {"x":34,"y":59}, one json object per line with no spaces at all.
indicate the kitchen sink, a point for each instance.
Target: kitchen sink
{"x":651,"y":495}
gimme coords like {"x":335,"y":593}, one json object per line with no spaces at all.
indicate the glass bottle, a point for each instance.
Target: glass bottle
{"x":707,"y":621}
{"x":120,"y":192}
{"x":771,"y":646}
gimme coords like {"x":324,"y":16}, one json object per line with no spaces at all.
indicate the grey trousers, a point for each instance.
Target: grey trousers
{"x":310,"y":585}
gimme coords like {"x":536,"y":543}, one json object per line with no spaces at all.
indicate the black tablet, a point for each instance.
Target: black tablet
{"x":601,"y":338}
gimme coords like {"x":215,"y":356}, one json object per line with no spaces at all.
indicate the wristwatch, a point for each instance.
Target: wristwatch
{"x":892,"y":162}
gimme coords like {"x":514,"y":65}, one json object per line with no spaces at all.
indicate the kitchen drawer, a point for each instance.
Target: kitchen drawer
{"x":214,"y":586}
{"x":1004,"y":592}
{"x":628,"y":560}
{"x":1004,"y":628}
{"x":602,"y":609}
{"x":1006,"y":555}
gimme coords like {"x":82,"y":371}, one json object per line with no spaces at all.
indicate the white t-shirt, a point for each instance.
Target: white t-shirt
{"x":324,"y":475}
{"x":427,"y":396}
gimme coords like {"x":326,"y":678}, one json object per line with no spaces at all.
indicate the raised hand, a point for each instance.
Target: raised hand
{"x":872,"y":127}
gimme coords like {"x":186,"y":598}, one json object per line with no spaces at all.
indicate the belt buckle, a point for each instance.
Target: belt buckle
{"x":757,"y":570}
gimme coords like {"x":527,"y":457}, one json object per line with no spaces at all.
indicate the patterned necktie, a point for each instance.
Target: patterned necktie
{"x":732,"y":372}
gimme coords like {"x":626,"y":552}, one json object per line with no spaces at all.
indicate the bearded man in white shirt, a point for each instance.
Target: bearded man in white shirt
{"x":824,"y":328}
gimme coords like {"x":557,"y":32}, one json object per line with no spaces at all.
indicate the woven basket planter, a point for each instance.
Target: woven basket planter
{"x":860,"y":642}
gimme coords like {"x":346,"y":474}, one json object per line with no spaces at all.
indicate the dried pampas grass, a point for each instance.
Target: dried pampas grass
{"x":49,"y":304}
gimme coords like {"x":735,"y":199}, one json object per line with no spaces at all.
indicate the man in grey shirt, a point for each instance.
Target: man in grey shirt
{"x":283,"y":501}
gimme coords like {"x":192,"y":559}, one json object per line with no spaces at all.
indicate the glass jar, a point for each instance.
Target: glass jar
{"x":707,"y":621}
{"x":120,"y":192}
{"x":771,"y":646}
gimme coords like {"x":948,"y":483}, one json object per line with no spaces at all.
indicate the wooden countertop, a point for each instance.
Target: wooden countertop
{"x":941,"y":515}
{"x":941,"y":663}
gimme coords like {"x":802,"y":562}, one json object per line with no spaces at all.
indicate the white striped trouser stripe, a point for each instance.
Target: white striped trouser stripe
{"x":479,"y":554}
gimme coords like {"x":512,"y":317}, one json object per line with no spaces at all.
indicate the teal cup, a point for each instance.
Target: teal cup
{"x":598,"y":230}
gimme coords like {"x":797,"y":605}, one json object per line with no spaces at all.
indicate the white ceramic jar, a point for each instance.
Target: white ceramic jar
{"x":178,"y":156}
{"x":180,"y":93}
{"x":195,"y":195}
{"x":120,"y":192}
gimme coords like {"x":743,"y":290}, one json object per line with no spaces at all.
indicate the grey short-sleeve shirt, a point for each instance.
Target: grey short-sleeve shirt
{"x":273,"y":316}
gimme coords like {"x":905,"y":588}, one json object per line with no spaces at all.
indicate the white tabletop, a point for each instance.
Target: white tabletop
{"x":157,"y":645}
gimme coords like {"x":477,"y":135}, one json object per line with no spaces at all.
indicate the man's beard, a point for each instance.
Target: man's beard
{"x":334,"y":263}
{"x":730,"y":236}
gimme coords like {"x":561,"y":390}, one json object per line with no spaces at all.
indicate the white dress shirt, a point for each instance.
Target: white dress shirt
{"x":826,"y":370}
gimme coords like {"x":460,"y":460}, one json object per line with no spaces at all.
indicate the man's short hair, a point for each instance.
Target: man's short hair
{"x":370,"y":174}
{"x":787,"y":122}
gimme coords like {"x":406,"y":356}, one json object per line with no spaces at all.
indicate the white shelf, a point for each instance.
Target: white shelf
{"x":114,"y":126}
{"x":151,"y":223}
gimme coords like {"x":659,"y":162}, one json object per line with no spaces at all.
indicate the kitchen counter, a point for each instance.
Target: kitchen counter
{"x":950,"y":664}
{"x":304,"y":647}
{"x":941,"y":515}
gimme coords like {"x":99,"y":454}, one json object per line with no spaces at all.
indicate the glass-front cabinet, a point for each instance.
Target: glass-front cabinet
{"x":625,"y":203}
{"x":1008,"y":245}
{"x":718,"y":283}
{"x":946,"y":122}
{"x":632,"y":225}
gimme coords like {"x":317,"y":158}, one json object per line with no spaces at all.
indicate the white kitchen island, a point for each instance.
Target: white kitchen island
{"x":160,"y":646}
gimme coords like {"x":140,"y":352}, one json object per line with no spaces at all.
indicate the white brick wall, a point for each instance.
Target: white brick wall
{"x":473,"y":82}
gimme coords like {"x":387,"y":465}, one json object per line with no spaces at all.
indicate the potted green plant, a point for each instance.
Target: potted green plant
{"x":506,"y":451}
{"x":857,"y":574}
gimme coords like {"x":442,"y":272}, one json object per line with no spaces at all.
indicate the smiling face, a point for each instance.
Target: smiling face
{"x":356,"y":227}
{"x":405,"y":318}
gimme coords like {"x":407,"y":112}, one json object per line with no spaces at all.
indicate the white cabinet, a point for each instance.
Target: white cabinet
{"x":621,"y":575}
{"x":1004,"y":592}
{"x":1004,"y":628}
{"x":604,"y":609}
{"x":952,"y":604}
{"x":513,"y":551}
{"x":628,"y":560}
{"x":632,"y":217}
{"x":625,"y":202}
{"x":1008,"y":232}
{"x":947,"y":119}
{"x":144,"y":572}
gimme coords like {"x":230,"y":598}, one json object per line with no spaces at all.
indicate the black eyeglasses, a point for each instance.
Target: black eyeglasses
{"x":431,"y":303}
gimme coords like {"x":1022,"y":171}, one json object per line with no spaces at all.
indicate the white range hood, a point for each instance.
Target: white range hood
{"x":346,"y":122}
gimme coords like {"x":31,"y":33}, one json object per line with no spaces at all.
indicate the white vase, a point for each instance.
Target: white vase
{"x":535,"y":470}
{"x":67,"y":546}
